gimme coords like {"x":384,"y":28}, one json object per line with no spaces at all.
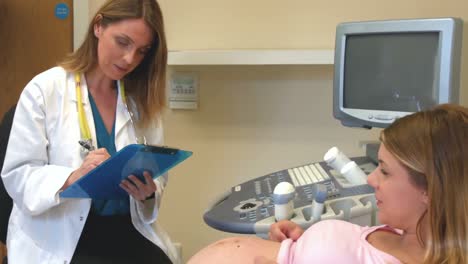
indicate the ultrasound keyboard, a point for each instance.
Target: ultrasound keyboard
{"x":248,"y":208}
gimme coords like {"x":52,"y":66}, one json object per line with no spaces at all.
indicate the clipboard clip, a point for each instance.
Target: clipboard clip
{"x":160,"y":149}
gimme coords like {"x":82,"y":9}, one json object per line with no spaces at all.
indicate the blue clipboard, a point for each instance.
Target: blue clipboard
{"x":103,"y":181}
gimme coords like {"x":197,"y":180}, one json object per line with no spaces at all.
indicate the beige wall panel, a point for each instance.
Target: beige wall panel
{"x":224,"y":24}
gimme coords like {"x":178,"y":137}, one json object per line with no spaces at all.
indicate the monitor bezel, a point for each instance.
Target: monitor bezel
{"x":448,"y":63}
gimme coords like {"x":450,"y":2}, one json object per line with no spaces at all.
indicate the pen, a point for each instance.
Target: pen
{"x":86,"y":144}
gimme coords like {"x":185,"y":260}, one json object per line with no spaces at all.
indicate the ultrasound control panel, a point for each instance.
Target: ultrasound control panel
{"x":248,"y":208}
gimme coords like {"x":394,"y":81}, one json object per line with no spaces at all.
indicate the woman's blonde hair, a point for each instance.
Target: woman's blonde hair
{"x":146,"y":84}
{"x":433,"y":146}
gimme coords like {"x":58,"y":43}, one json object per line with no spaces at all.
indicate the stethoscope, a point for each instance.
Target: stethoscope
{"x":86,"y":140}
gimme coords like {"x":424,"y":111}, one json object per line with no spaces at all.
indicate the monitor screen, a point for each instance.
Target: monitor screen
{"x":387,"y":69}
{"x":395,"y":72}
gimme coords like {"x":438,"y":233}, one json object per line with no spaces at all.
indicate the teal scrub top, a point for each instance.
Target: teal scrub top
{"x":107,"y":141}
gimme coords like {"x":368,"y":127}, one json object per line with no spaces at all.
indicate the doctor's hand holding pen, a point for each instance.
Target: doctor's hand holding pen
{"x":133,"y":186}
{"x":91,"y":161}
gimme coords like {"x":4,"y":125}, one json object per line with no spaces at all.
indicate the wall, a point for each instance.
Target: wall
{"x":254,"y":120}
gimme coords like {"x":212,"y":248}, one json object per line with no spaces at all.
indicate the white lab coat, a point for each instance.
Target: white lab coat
{"x":42,"y":152}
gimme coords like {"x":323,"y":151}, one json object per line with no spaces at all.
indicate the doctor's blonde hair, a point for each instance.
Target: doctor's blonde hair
{"x":146,"y":84}
{"x":433,"y":146}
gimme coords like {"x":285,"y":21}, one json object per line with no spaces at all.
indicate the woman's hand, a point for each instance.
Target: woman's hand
{"x":137,"y":189}
{"x":285,"y":229}
{"x":91,"y":161}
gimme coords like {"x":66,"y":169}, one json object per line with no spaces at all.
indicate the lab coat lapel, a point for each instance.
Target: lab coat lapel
{"x":123,"y":134}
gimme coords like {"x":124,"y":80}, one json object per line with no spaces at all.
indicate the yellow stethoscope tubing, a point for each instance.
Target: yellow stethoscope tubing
{"x":84,"y":127}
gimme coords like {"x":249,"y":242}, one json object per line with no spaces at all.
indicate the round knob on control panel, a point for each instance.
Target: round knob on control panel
{"x":283,"y":196}
{"x":354,"y":174}
{"x":336,"y":159}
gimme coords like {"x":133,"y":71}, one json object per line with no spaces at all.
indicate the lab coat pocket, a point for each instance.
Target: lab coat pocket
{"x":22,"y":249}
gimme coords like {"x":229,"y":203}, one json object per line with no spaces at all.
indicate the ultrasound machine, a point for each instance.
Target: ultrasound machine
{"x":384,"y":70}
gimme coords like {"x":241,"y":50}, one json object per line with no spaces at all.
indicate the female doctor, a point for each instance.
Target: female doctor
{"x":108,"y":94}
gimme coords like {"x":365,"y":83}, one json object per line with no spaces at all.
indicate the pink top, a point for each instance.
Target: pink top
{"x":335,"y":241}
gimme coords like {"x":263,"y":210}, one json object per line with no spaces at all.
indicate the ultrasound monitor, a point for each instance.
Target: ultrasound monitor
{"x":388,"y":69}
